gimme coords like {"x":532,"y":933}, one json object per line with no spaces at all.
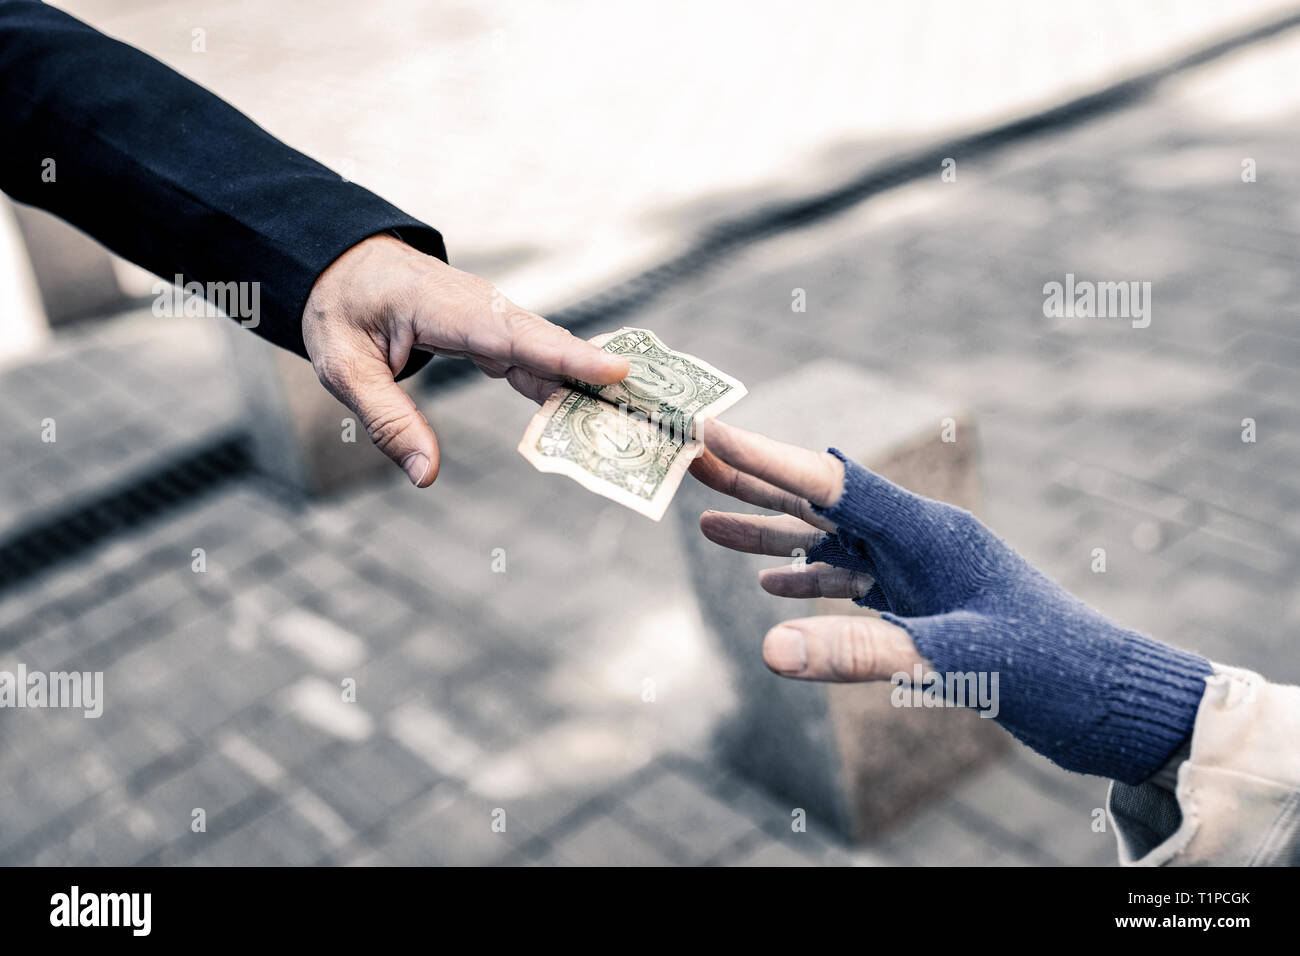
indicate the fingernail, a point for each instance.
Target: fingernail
{"x":787,"y":651}
{"x":416,"y":467}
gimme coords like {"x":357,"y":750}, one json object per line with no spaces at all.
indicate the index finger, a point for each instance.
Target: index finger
{"x":549,"y":351}
{"x":816,"y":476}
{"x":718,"y":475}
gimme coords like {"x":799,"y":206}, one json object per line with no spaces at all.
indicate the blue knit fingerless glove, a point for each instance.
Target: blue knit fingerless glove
{"x":1086,"y":693}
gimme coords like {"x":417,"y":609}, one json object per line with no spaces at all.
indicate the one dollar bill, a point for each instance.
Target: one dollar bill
{"x":632,"y":441}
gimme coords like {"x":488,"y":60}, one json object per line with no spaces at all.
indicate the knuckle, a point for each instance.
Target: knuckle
{"x":830,"y":581}
{"x":524,"y":323}
{"x":385,"y":425}
{"x":476,"y":288}
{"x":525,"y":334}
{"x":831,"y":479}
{"x":852,"y":651}
{"x":463,"y":296}
{"x":332,"y":369}
{"x":486,"y":290}
{"x":950,"y":526}
{"x":731,"y":482}
{"x":789,"y":502}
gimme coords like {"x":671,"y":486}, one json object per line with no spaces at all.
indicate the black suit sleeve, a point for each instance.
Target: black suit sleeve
{"x":170,"y":176}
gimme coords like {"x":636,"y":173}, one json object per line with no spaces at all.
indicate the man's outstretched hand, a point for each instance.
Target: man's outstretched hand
{"x":382,"y":298}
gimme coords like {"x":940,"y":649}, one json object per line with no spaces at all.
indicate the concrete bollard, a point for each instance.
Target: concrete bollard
{"x":73,"y":272}
{"x":23,"y":325}
{"x":300,"y":433}
{"x":841,"y":752}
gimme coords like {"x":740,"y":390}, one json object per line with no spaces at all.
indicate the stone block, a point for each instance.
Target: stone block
{"x":297,"y":427}
{"x":854,"y":762}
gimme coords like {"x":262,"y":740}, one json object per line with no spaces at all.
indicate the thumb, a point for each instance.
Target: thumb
{"x":851,"y":648}
{"x":366,"y":385}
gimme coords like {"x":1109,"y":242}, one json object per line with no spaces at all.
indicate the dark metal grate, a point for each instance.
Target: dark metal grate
{"x":52,"y":540}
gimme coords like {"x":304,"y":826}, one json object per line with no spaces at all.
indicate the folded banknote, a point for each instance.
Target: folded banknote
{"x":631,"y":441}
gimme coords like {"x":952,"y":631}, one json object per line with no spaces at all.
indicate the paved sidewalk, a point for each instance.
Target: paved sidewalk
{"x":519,"y":692}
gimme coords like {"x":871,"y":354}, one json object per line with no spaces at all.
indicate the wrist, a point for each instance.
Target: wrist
{"x":1151,"y":711}
{"x":337,"y":288}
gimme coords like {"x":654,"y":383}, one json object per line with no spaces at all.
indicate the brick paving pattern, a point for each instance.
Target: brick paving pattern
{"x":516,"y":696}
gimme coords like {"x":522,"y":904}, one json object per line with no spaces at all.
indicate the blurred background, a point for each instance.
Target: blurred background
{"x":682,"y":167}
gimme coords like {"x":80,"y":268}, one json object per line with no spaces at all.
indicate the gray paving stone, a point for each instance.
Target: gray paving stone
{"x":213,"y":784}
{"x":604,"y":841}
{"x":937,"y":838}
{"x":1061,"y":828}
{"x":545,"y":808}
{"x":773,"y":853}
{"x":290,"y":742}
{"x":452,"y":828}
{"x":279,"y":837}
{"x":367,"y":783}
{"x":503,"y":708}
{"x":777,"y":820}
{"x":124,"y":836}
{"x":700,"y":824}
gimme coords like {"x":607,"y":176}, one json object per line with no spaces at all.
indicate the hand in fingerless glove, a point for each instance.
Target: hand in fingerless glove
{"x":1076,"y":687}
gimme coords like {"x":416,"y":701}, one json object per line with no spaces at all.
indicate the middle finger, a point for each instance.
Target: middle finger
{"x":782,"y":535}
